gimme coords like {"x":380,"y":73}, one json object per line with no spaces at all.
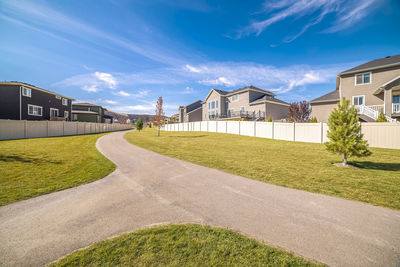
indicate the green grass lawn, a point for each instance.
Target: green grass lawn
{"x":181,"y":245}
{"x":298,"y":165}
{"x":33,"y":167}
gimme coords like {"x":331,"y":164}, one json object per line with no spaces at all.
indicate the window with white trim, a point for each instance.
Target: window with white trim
{"x":235,"y":98}
{"x":358,"y":100}
{"x":35,"y":110}
{"x":74,"y":117}
{"x":26,"y":92}
{"x":53,"y":112}
{"x":65,"y":102}
{"x":363,"y":78}
{"x":216,"y":104}
{"x":242,"y":109}
{"x":213,"y":105}
{"x":58,"y":97}
{"x":66,"y":114}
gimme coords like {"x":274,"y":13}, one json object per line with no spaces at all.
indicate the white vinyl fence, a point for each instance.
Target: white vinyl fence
{"x":384,"y":135}
{"x":15,"y":129}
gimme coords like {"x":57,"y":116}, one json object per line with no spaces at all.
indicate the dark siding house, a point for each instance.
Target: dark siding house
{"x":21,"y":101}
{"x":87,"y":112}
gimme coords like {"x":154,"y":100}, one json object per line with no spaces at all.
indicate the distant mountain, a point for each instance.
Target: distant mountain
{"x":145,"y":117}
{"x":121,"y":117}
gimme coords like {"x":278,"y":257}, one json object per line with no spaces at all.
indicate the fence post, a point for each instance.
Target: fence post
{"x":226,"y":126}
{"x":294,"y":131}
{"x":255,"y":128}
{"x":63,"y":128}
{"x":216,"y":126}
{"x":273,"y":130}
{"x":47,"y":125}
{"x":25,"y":130}
{"x":321,"y":125}
{"x":207,"y":126}
{"x":239,"y":127}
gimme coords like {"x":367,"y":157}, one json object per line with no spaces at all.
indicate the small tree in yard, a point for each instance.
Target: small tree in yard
{"x":299,"y":111}
{"x":139,"y":124}
{"x":345,"y":133}
{"x":381,"y":117}
{"x":159,"y":117}
{"x":313,"y":120}
{"x":269,"y":118}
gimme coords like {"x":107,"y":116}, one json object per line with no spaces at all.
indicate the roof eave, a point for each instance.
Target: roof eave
{"x":324,"y":101}
{"x":369,"y":69}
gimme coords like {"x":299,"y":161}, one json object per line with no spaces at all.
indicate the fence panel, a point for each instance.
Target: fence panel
{"x":55,"y":128}
{"x":204,"y":126}
{"x":308,"y":132}
{"x":221,"y":126}
{"x":385,"y":135}
{"x":247,"y":128}
{"x":283,"y":131}
{"x":212,"y":126}
{"x":11,"y":129}
{"x":233,"y":127}
{"x":36,"y":129}
{"x":264,"y":129}
{"x":70,"y":128}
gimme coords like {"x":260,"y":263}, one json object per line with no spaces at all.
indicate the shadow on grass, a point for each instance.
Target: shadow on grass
{"x":12,"y":158}
{"x":376,"y":165}
{"x":188,"y":136}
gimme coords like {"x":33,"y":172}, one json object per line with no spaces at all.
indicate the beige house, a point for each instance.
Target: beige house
{"x":249,"y":103}
{"x":191,"y":112}
{"x":371,"y":87}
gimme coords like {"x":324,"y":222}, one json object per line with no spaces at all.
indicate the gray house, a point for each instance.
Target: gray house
{"x":191,"y":112}
{"x":371,"y":87}
{"x":87,"y":112}
{"x":250,"y":103}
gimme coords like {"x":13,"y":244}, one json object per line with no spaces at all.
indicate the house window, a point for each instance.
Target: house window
{"x":35,"y":110}
{"x":66,"y":114}
{"x":209,"y":105}
{"x":235,"y":98}
{"x":216,"y":104}
{"x":358,"y":100}
{"x":65,"y":102}
{"x":363,"y":78}
{"x":53,"y":112}
{"x":242,"y":109}
{"x":74,"y":117}
{"x":26,"y":92}
{"x":58,"y":97}
{"x":212,"y":105}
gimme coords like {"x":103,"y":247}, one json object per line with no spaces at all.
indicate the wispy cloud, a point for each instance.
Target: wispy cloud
{"x":52,"y":22}
{"x":346,"y":13}
{"x":123,"y":93}
{"x":91,"y":82}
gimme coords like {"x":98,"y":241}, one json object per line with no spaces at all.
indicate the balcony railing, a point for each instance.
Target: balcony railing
{"x":251,"y":115}
{"x":396,"y":108}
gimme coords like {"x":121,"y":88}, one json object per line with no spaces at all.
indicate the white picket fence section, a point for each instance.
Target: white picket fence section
{"x":383,"y":135}
{"x":20,"y":129}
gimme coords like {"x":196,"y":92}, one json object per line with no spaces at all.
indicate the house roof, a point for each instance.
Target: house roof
{"x":85,"y":104}
{"x":192,"y":106}
{"x":84,"y":112}
{"x":33,"y":87}
{"x":268,"y":99}
{"x":375,"y":64}
{"x":329,"y":97}
{"x":251,"y":88}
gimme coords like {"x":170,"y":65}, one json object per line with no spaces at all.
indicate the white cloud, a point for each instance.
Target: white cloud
{"x":192,"y":69}
{"x":111,"y":102}
{"x":345,"y":12}
{"x":219,"y":81}
{"x":188,"y":90}
{"x":90,"y":88}
{"x":123,"y":93}
{"x":107,"y":78}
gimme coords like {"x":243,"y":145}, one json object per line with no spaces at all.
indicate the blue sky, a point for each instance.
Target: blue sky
{"x":125,"y":54}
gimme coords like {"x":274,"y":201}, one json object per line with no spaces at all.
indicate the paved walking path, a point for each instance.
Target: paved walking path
{"x":148,"y":188}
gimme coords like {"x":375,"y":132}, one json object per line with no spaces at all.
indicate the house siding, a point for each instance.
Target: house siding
{"x":322,"y":111}
{"x":213,"y":97}
{"x":194,"y":115}
{"x":276,"y":111}
{"x":9,"y":102}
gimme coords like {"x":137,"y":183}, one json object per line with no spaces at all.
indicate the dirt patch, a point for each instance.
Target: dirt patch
{"x":347,"y":166}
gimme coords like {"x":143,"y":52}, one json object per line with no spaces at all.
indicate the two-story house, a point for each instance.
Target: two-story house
{"x":191,"y":112}
{"x":87,"y":112}
{"x":371,"y":87}
{"x":22,"y":101}
{"x":249,"y":102}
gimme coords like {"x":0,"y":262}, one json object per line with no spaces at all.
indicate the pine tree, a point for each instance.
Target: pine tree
{"x":269,"y":118}
{"x":381,"y":117}
{"x":139,"y":124}
{"x":313,"y":120}
{"x":345,"y":133}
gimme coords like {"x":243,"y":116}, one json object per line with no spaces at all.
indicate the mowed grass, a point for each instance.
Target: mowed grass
{"x":297,"y":165}
{"x":181,"y":245}
{"x":33,"y":167}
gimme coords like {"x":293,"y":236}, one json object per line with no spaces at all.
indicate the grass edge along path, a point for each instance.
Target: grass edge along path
{"x":38,"y":166}
{"x":181,"y":245}
{"x":304,"y":166}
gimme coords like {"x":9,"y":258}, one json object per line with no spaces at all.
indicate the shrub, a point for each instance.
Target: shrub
{"x":381,"y":117}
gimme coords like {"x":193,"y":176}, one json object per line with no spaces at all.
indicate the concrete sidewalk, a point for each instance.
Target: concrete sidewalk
{"x":148,"y":188}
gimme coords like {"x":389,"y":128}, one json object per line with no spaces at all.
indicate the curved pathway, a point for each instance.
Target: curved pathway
{"x":148,"y":189}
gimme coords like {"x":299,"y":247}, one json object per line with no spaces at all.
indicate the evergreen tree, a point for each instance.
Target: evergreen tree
{"x":345,"y":133}
{"x":269,"y":118}
{"x":313,"y":120}
{"x":139,"y":124}
{"x":381,"y":117}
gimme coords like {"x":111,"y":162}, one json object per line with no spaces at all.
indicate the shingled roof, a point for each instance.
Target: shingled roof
{"x":267,"y":98}
{"x":377,"y":63}
{"x":329,"y":97}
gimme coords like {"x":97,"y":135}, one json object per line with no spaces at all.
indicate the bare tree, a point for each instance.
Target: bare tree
{"x":159,"y":117}
{"x":299,"y":111}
